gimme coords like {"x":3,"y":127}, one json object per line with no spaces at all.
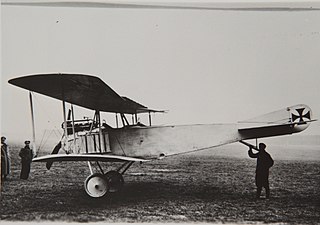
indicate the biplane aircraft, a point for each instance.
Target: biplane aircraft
{"x":96,"y":142}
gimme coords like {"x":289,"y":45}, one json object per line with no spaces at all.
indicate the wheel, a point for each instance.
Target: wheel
{"x":115,"y":180}
{"x":96,"y":185}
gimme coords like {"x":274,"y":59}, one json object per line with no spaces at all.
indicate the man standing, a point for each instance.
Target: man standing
{"x":26,"y":159}
{"x":5,"y":159}
{"x":264,"y":162}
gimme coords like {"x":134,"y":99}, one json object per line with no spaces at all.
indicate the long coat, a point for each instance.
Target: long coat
{"x":26,"y":155}
{"x":264,"y":162}
{"x":5,"y":160}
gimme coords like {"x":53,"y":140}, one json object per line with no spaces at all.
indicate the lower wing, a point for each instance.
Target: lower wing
{"x":87,"y":157}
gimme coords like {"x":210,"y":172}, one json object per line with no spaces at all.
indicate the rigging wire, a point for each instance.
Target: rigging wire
{"x":40,"y":145}
{"x":53,"y":131}
{"x":45,"y":111}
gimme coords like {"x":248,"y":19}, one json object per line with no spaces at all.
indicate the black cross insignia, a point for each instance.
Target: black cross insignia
{"x":301,"y":115}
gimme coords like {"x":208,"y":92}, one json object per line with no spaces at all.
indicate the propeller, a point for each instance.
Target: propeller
{"x":166,"y":5}
{"x":57,"y":148}
{"x":55,"y":151}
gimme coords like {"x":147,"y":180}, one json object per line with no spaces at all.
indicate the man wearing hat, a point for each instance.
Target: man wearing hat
{"x":264,"y":162}
{"x":26,"y":155}
{"x":5,"y":159}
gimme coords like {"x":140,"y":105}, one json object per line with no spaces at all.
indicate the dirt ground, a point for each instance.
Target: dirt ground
{"x":189,"y":188}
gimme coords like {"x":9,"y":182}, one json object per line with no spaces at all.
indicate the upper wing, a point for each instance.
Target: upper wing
{"x":86,"y":157}
{"x":286,"y":121}
{"x":83,"y":90}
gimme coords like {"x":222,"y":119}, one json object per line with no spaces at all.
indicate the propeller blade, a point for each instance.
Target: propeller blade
{"x":55,"y":151}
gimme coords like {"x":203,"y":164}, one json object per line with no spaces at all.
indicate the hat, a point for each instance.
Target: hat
{"x":27,"y":142}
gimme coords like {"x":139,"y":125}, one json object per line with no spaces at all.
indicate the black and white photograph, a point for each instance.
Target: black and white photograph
{"x":153,"y":111}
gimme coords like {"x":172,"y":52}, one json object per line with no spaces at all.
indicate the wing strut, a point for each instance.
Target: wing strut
{"x":124,"y":120}
{"x":73,"y":129}
{"x":33,"y":127}
{"x":66,"y":148}
{"x":65,"y":134}
{"x":101,"y":144}
{"x":150,"y":123}
{"x":117,"y":124}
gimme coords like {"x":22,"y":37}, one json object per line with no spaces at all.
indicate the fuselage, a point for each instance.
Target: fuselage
{"x":151,"y":142}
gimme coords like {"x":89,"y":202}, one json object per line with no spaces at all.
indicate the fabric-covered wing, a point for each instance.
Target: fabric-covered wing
{"x":86,"y":157}
{"x":139,"y":108}
{"x":83,"y":90}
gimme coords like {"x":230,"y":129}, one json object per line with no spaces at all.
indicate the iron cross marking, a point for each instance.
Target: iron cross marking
{"x":301,"y":115}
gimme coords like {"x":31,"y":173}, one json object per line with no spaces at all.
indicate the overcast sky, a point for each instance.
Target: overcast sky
{"x":204,"y":66}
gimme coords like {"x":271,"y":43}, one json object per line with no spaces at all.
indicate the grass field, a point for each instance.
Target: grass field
{"x":189,"y":188}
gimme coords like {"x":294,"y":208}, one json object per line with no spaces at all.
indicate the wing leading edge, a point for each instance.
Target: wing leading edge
{"x":82,"y":90}
{"x":87,"y":157}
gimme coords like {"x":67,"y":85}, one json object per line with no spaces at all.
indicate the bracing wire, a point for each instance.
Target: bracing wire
{"x":40,"y":145}
{"x":46,"y":112}
{"x":55,"y":129}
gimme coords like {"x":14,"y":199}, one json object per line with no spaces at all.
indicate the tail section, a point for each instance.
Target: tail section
{"x":301,"y":116}
{"x":285,"y":121}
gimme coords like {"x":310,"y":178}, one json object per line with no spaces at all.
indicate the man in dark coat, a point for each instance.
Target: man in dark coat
{"x":26,"y":155}
{"x":264,"y":162}
{"x":5,"y":159}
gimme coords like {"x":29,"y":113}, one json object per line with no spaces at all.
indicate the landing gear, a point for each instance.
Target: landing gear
{"x":96,"y":185}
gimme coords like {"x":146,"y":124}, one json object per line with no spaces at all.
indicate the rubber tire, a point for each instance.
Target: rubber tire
{"x":96,"y":185}
{"x":115,"y":181}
